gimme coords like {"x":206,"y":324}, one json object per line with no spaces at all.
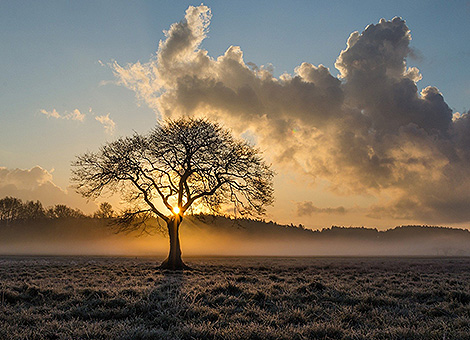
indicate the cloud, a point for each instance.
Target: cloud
{"x":74,"y":115}
{"x":28,"y":179}
{"x":37,"y":184}
{"x":53,"y":114}
{"x":108,"y":123}
{"x":307,"y":208}
{"x":368,"y":131}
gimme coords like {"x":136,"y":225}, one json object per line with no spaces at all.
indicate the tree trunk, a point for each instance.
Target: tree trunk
{"x":174,"y":261}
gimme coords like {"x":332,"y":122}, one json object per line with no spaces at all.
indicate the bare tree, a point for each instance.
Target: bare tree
{"x":10,"y":209}
{"x":182,"y":164}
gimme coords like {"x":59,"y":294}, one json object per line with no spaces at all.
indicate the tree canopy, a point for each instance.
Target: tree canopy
{"x":179,"y":163}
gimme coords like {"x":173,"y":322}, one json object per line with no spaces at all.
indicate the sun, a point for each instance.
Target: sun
{"x":176,"y":210}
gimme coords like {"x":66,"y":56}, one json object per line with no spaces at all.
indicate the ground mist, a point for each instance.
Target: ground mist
{"x":209,"y":235}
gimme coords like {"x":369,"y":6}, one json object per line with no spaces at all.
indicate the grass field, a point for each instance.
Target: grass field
{"x":235,"y":298}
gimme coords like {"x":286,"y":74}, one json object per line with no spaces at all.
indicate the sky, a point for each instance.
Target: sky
{"x":366,"y":128}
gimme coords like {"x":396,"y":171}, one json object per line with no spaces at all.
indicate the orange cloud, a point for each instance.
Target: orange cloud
{"x":108,"y":124}
{"x":74,"y":115}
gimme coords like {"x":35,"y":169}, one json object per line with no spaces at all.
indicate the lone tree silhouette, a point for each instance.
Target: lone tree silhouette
{"x":187,"y":163}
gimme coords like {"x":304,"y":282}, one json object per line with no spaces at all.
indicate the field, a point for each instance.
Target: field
{"x":235,"y":298}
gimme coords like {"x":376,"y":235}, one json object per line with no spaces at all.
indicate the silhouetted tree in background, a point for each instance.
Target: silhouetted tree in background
{"x":14,"y":210}
{"x":11,"y":209}
{"x":33,"y":211}
{"x":105,"y":211}
{"x":63,"y":211}
{"x":180,"y":164}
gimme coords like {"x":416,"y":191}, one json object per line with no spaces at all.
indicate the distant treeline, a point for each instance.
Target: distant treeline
{"x":14,"y":210}
{"x":254,"y":226}
{"x":27,"y":227}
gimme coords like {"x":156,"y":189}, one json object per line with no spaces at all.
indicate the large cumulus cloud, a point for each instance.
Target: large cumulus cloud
{"x":367,"y":131}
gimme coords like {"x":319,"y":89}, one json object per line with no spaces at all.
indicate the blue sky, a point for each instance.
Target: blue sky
{"x":52,"y":55}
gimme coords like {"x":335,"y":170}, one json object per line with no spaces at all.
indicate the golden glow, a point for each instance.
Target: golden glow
{"x":176,"y":210}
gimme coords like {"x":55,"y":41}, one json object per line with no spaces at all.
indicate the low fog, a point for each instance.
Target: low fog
{"x":224,"y":237}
